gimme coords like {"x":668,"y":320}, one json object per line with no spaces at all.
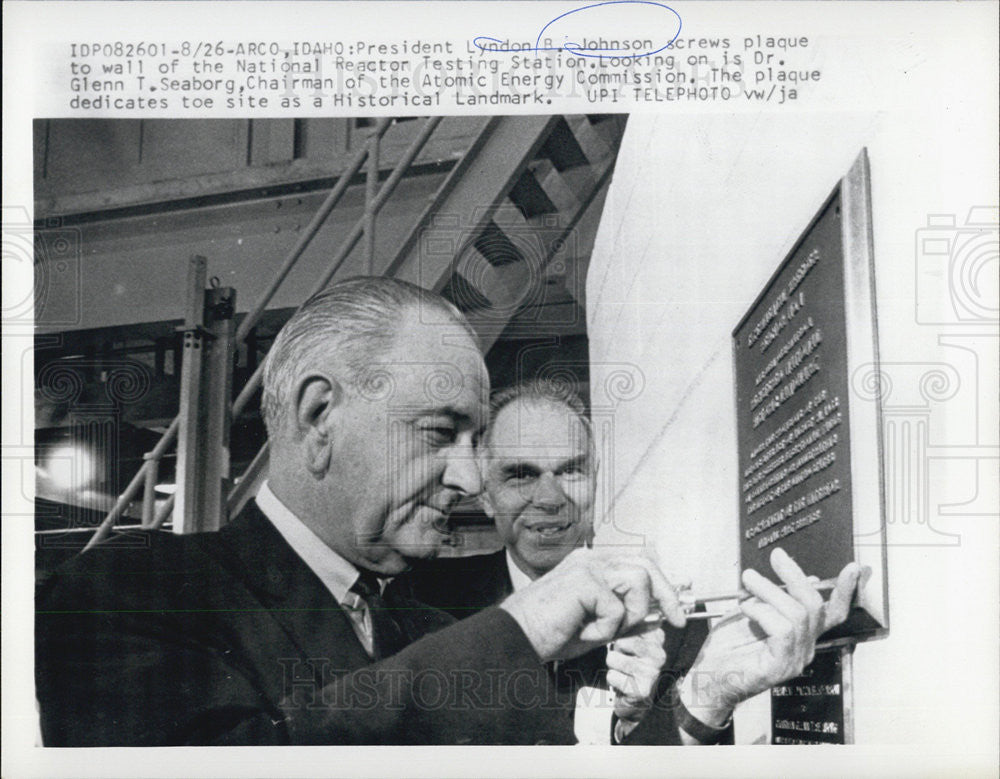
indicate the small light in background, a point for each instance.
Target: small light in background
{"x":69,"y":468}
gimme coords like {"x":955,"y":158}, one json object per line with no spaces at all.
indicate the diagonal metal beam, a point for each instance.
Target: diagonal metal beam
{"x":318,"y":220}
{"x":482,"y":179}
{"x":488,"y":336}
{"x":465,"y":203}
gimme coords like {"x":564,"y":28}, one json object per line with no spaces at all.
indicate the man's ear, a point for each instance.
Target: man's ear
{"x":316,"y":396}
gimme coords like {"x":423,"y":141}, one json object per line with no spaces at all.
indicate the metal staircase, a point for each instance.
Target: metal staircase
{"x":491,"y":239}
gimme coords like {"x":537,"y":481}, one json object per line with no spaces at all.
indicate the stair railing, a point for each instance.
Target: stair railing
{"x":376,"y":199}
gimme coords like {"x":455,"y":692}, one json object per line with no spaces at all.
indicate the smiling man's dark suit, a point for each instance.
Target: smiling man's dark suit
{"x":466,"y":586}
{"x":229,"y":638}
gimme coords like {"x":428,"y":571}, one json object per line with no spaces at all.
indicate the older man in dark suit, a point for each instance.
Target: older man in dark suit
{"x":276,"y":630}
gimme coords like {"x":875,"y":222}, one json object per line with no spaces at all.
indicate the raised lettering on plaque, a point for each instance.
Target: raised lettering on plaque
{"x":809,"y":451}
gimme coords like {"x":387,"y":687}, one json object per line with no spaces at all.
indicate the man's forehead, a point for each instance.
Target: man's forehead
{"x":438,"y":368}
{"x":429,"y":332}
{"x":539,"y":426}
{"x":442,"y":387}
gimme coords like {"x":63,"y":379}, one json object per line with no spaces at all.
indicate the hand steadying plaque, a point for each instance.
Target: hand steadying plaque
{"x":810,"y":462}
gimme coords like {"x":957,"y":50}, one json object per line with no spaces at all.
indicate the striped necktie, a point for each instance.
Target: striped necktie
{"x":387,"y":636}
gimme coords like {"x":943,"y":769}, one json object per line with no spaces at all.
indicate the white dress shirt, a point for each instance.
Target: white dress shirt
{"x":518,"y":578}
{"x":594,"y":705}
{"x":337,"y":574}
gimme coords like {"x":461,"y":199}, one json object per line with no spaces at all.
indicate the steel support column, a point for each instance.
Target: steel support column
{"x":206,"y":389}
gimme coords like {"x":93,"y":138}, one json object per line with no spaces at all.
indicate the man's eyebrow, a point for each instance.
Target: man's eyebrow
{"x":579,"y":461}
{"x":519,"y":468}
{"x":446,"y":411}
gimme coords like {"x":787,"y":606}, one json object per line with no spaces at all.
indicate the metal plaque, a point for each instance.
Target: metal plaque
{"x":810,"y":461}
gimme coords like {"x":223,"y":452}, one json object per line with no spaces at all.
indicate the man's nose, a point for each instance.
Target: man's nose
{"x":548,"y":494}
{"x":461,"y":470}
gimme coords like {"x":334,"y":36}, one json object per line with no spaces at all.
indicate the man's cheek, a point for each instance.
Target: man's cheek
{"x":410,"y":479}
{"x":511,"y":502}
{"x":579,"y":497}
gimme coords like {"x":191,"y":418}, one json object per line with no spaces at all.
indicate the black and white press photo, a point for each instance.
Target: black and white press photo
{"x":615,"y":376}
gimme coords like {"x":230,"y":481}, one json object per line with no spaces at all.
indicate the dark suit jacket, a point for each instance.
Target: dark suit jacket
{"x":229,"y":638}
{"x":465,"y":586}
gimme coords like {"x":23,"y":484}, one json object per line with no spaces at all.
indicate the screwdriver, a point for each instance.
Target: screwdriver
{"x":689,"y":603}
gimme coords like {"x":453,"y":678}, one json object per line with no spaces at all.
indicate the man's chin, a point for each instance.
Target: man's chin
{"x":546,"y":555}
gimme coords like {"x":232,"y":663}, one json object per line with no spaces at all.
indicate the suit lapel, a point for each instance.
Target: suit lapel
{"x":499,"y":577}
{"x":256,"y":554}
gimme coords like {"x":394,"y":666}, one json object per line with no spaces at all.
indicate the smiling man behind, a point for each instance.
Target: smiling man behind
{"x":540,"y":472}
{"x":539,"y":468}
{"x":670,"y":686}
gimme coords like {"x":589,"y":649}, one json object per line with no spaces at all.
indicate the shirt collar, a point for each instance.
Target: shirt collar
{"x":336,"y":573}
{"x":518,"y":578}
